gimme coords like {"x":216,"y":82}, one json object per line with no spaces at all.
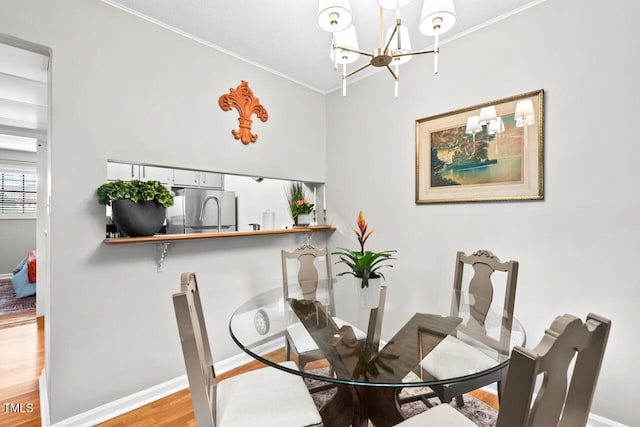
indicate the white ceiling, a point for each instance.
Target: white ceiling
{"x":23,"y":98}
{"x":283,"y":35}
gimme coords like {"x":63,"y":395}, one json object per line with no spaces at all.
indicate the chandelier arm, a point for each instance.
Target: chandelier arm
{"x":346,"y":76}
{"x":417,"y":52}
{"x":348,"y":49}
{"x":395,"y":76}
{"x":395,"y":30}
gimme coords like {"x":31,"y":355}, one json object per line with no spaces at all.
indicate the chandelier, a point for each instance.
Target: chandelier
{"x":437,"y":17}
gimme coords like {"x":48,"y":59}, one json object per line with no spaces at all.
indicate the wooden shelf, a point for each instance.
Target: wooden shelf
{"x":167,"y":238}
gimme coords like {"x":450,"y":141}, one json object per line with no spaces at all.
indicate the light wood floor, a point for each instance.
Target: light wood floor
{"x":22,"y":360}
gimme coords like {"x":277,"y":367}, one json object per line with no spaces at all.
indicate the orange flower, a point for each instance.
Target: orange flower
{"x":362,"y":233}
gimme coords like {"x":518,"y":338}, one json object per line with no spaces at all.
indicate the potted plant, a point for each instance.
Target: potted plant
{"x":299,"y":206}
{"x":364,"y":265}
{"x":139,"y":207}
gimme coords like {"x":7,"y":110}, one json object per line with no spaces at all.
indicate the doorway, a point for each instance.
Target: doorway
{"x":24,"y":160}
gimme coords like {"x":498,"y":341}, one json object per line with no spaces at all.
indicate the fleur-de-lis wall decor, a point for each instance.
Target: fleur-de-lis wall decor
{"x":242,"y":99}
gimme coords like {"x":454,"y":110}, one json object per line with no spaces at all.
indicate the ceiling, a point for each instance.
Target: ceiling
{"x":283,"y":35}
{"x":23,"y":98}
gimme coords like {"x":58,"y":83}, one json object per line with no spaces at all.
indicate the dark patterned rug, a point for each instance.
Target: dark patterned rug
{"x":9,"y":304}
{"x":477,"y":411}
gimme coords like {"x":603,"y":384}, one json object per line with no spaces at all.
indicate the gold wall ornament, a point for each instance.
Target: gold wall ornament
{"x":242,"y":99}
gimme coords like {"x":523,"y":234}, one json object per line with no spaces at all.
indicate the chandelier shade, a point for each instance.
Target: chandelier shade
{"x":487,"y":114}
{"x":524,"y":114}
{"x":473,"y":125}
{"x":334,"y":15}
{"x":399,"y":45}
{"x":349,"y":39}
{"x":437,"y":17}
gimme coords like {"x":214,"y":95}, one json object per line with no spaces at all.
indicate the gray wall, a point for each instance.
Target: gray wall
{"x":17,"y":236}
{"x":125,"y":89}
{"x":577,"y":247}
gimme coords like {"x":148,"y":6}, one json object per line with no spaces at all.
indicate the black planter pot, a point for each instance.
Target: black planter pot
{"x":144,"y":218}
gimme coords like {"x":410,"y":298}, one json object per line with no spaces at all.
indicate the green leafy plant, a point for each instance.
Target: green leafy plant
{"x":302,"y":207}
{"x":364,"y":264}
{"x":135,"y":190}
{"x":297,"y":200}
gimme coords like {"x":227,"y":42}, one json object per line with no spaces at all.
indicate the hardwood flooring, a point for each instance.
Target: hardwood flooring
{"x":22,"y":360}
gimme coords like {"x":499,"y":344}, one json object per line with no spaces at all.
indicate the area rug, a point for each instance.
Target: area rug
{"x":477,"y":411}
{"x":9,"y":304}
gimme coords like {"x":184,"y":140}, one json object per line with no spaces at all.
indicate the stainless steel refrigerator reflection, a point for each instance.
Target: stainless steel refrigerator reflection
{"x":198,"y":210}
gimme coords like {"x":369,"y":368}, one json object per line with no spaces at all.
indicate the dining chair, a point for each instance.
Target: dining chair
{"x":473,"y":300}
{"x":264,"y":397}
{"x":297,"y":339}
{"x":569,"y":351}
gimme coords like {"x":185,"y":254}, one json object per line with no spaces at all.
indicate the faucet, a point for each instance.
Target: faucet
{"x":204,"y":204}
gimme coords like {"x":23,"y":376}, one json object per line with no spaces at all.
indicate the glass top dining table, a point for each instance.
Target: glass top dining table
{"x":374,"y":369}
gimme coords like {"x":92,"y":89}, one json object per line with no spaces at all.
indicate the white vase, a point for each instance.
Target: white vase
{"x":369,"y":296}
{"x":303,"y":220}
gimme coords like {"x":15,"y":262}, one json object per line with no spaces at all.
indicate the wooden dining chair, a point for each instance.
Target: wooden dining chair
{"x":308,"y":258}
{"x":570,"y":349}
{"x":474,"y":302}
{"x":264,"y":397}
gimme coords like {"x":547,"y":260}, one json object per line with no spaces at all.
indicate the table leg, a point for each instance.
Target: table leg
{"x":355,"y":406}
{"x":384,"y":409}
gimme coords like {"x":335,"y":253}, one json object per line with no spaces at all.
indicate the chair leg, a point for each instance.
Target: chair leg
{"x":287,"y":349}
{"x":459,"y":401}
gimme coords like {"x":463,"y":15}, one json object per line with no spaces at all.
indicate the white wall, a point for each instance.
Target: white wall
{"x":576,"y":247}
{"x":125,"y":89}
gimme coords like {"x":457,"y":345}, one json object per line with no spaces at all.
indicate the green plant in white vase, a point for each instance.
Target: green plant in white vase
{"x":363,"y":264}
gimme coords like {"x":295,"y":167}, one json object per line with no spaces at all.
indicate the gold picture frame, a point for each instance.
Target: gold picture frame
{"x":488,"y":152}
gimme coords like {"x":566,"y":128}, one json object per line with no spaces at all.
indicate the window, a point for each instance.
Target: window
{"x":18,"y":191}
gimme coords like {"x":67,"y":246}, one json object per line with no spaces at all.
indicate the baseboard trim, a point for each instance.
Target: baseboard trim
{"x":136,"y":400}
{"x":44,"y":399}
{"x":593,"y":421}
{"x":598,"y":421}
{"x":151,"y":394}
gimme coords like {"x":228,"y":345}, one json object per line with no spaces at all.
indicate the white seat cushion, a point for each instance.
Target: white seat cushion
{"x":438,"y":416}
{"x":305,"y":343}
{"x":454,"y":358}
{"x":265,"y":397}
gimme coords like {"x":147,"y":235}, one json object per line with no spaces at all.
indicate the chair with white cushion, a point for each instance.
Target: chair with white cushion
{"x":308,"y":259}
{"x":453,"y":357}
{"x":264,"y":397}
{"x":569,"y":351}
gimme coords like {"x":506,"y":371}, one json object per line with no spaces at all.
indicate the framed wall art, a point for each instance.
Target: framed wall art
{"x":488,"y":152}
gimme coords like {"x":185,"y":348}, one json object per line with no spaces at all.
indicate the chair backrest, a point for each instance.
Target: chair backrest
{"x":480,"y":292}
{"x":196,"y":350}
{"x":308,"y":274}
{"x":554,"y":405}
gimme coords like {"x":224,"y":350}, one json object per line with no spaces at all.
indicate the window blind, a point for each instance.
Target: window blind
{"x":18,"y":194}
